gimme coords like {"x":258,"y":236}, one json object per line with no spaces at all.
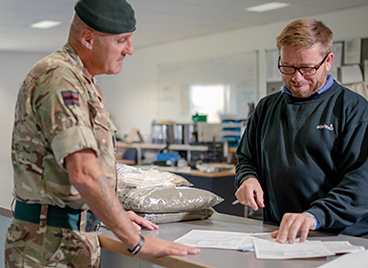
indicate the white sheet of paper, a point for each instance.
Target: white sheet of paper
{"x":340,"y":247}
{"x":352,"y":51}
{"x":216,"y":239}
{"x":356,"y":260}
{"x":264,"y":245}
{"x":337,"y":51}
{"x":366,"y":70}
{"x":274,"y":250}
{"x":248,"y":244}
{"x":272,"y":72}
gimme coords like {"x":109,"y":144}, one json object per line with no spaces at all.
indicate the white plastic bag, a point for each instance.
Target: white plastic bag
{"x":133,"y":177}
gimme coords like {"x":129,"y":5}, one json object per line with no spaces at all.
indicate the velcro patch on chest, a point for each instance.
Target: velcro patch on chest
{"x":70,"y":97}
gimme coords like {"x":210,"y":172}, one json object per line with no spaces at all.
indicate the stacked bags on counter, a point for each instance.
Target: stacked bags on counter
{"x":161,"y":196}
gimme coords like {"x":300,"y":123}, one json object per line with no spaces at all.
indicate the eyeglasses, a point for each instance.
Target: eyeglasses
{"x":306,"y":71}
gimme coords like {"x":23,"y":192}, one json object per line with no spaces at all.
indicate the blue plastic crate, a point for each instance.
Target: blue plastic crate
{"x":169,"y":156}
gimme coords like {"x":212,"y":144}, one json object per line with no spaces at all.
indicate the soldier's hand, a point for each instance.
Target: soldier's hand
{"x":139,"y":221}
{"x":155,"y":247}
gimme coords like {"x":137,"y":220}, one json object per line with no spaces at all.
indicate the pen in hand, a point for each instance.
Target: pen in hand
{"x":237,"y":201}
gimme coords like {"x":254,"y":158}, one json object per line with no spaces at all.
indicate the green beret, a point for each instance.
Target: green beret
{"x":106,"y":16}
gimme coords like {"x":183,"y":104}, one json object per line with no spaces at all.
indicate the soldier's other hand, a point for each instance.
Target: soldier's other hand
{"x":155,"y":247}
{"x":138,"y":221}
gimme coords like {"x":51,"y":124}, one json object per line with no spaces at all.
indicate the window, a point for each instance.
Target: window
{"x":209,"y":100}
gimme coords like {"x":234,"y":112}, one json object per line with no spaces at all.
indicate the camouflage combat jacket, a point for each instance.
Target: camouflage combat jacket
{"x":59,"y":110}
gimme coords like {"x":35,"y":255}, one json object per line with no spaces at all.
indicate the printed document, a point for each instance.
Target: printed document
{"x":264,"y":245}
{"x":274,"y":250}
{"x":216,"y":239}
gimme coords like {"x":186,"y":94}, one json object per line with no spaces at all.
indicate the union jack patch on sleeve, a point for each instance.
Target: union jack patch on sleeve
{"x":70,"y":97}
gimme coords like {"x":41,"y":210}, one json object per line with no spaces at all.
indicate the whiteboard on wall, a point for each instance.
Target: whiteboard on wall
{"x":238,"y":73}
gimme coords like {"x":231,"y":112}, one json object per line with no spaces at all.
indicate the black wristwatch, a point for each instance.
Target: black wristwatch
{"x":137,"y":247}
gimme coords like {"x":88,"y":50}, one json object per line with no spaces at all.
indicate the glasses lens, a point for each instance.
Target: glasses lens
{"x":308,"y":71}
{"x":287,"y":70}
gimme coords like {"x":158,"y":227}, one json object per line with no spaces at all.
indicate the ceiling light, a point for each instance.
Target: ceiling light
{"x":46,"y":24}
{"x":267,"y":7}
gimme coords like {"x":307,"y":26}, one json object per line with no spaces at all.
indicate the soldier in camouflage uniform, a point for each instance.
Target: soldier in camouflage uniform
{"x":63,"y":150}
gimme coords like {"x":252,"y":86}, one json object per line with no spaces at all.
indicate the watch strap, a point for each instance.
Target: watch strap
{"x":137,"y":247}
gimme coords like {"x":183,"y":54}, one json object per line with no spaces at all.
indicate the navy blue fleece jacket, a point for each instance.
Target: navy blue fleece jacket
{"x":310,"y":155}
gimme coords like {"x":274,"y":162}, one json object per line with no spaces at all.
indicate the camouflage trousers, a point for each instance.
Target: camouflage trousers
{"x":32,"y":245}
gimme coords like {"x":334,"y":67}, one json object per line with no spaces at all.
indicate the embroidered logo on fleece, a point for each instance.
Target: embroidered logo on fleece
{"x":70,"y":97}
{"x":325,"y":126}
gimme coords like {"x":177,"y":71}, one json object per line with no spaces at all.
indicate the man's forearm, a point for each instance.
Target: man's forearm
{"x":105,"y":205}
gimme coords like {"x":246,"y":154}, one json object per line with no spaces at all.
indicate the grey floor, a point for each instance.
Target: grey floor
{"x":6,"y":188}
{"x":4,"y":223}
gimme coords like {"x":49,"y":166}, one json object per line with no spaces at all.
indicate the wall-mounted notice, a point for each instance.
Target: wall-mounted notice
{"x":272,"y":72}
{"x":352,"y":51}
{"x":351,"y":74}
{"x":337,"y":51}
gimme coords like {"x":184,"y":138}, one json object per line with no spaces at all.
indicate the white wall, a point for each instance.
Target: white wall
{"x":132,"y":95}
{"x":13,"y":68}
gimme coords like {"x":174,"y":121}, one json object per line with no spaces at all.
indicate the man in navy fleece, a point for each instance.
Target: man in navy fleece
{"x":303,"y":157}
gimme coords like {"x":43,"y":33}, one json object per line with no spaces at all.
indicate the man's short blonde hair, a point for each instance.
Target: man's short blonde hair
{"x":303,"y":34}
